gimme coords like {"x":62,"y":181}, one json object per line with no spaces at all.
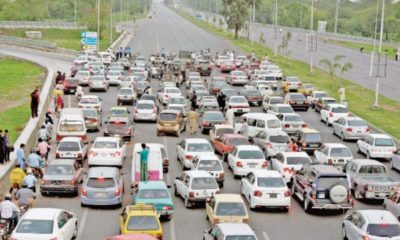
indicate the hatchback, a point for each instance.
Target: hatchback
{"x":145,"y":110}
{"x":171,"y":121}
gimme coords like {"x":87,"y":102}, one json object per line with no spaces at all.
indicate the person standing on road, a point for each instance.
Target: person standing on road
{"x":3,"y":151}
{"x":21,"y":155}
{"x":144,"y":154}
{"x":230,"y":116}
{"x":35,"y":99}
{"x":17,"y":175}
{"x":58,"y":77}
{"x":8,"y":145}
{"x":192,"y":116}
{"x":193,"y":101}
{"x":25,"y":196}
{"x":43,"y":148}
{"x":221,"y":101}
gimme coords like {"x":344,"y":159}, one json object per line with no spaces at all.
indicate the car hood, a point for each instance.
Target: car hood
{"x":57,"y":177}
{"x":112,"y":127}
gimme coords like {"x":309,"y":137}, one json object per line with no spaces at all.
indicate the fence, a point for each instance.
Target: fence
{"x":30,"y":43}
{"x":41,"y":25}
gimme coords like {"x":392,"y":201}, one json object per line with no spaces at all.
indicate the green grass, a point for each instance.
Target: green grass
{"x":360,"y":100}
{"x":368,"y":47}
{"x":17,"y":80}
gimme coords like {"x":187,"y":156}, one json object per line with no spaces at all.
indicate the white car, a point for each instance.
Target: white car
{"x":220,"y":129}
{"x":220,"y":59}
{"x":288,"y":162}
{"x":315,"y":96}
{"x":271,"y":81}
{"x":370,"y":225}
{"x":98,"y":82}
{"x":145,"y":110}
{"x":395,"y":163}
{"x":83,"y":76}
{"x":90,"y":101}
{"x":245,"y":158}
{"x":332,"y":112}
{"x":271,"y":142}
{"x":46,"y":223}
{"x":126,"y":95}
{"x":280,"y":108}
{"x":292,"y":122}
{"x":195,"y":187}
{"x":237,"y":78}
{"x":191,"y":147}
{"x":336,"y":154}
{"x":275,"y":71}
{"x":211,"y":164}
{"x":71,"y":147}
{"x":177,"y":101}
{"x":107,"y":151}
{"x":350,"y":128}
{"x":392,"y":204}
{"x":228,"y":231}
{"x":265,"y":188}
{"x":259,"y":74}
{"x":239,"y":104}
{"x":376,"y":145}
{"x":166,"y":93}
{"x":271,"y":100}
{"x":114,"y":78}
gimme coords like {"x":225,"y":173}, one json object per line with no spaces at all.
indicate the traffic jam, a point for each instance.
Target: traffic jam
{"x":238,"y":120}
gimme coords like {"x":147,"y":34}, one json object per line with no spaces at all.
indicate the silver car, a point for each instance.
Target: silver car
{"x":145,"y":110}
{"x":350,"y":128}
{"x":114,"y":78}
{"x":292,"y":122}
{"x":98,"y":82}
{"x":126,"y":95}
{"x":272,"y":143}
{"x":83,"y":77}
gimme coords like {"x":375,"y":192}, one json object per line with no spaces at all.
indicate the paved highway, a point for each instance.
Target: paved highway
{"x":170,"y":31}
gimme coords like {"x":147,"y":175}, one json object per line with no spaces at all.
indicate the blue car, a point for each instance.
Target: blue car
{"x":156,"y":193}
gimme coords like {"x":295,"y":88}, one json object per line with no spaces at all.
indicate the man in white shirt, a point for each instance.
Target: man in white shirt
{"x":9,"y":211}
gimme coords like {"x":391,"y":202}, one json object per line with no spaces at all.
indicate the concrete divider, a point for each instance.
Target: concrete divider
{"x":118,"y":42}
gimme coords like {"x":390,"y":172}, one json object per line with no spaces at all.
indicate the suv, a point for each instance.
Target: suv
{"x":307,"y":139}
{"x":322,"y":187}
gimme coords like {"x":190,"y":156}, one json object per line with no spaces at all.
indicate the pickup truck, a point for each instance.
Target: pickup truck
{"x":369,"y":179}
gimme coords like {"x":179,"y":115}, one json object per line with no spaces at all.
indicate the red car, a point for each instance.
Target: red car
{"x":132,"y":237}
{"x":228,"y":142}
{"x":70,"y":85}
{"x":227,"y":66}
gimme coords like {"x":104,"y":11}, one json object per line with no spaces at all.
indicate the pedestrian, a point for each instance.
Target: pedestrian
{"x":396,"y":57}
{"x":63,"y":77}
{"x":16,"y":177}
{"x":192,"y":116}
{"x":3,"y":151}
{"x":30,"y":180}
{"x":221,"y":99}
{"x":79,"y":93}
{"x":58,"y":77}
{"x":21,"y":156}
{"x":244,"y":128}
{"x":35,"y":99}
{"x":144,"y":154}
{"x":193,"y":101}
{"x":361,"y":49}
{"x":230,"y":116}
{"x":43,"y":148}
{"x":59,"y":103}
{"x":9,"y":148}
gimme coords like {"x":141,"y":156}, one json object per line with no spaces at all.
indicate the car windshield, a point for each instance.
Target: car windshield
{"x":357,"y":123}
{"x":297,"y":96}
{"x":136,"y":223}
{"x":253,"y":93}
{"x":279,"y":139}
{"x":118,"y":113}
{"x":340,"y":110}
{"x":213,"y":116}
{"x":125,"y":92}
{"x":145,"y":106}
{"x":153,"y":194}
{"x":100,"y":182}
{"x":68,"y":146}
{"x":105,"y":144}
{"x":113,"y":73}
{"x":340,"y":152}
{"x":312,"y":137}
{"x":239,"y":73}
{"x":222,"y":131}
{"x":199,"y":147}
{"x":240,"y":237}
{"x":370,"y":169}
{"x":69,"y":126}
{"x":269,"y":78}
{"x":285,"y":109}
{"x":82,"y":74}
{"x":274,"y":123}
{"x":168,"y":116}
{"x":97,"y":78}
{"x":59,"y":170}
{"x":297,"y":160}
{"x":272,"y":182}
{"x":230,"y":209}
{"x":89,"y":113}
{"x":209,"y":165}
{"x":238,"y":100}
{"x":180,"y":101}
{"x":384,"y":142}
{"x":384,"y":230}
{"x":293,"y":118}
{"x":328,"y":182}
{"x":251,"y":154}
{"x":200,"y":183}
{"x":29,"y":226}
{"x":89,"y":100}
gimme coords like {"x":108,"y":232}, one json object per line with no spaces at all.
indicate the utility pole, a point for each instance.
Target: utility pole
{"x":120,"y":8}
{"x":276,"y":28}
{"x":376,"y":104}
{"x":111,"y":22}
{"x":336,"y":16}
{"x":253,"y":23}
{"x":75,"y":10}
{"x":375,"y":33}
{"x":312,"y":36}
{"x":98,"y":25}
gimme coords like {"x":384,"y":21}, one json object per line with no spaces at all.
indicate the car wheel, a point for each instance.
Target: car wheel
{"x":75,"y":235}
{"x":187,"y":203}
{"x":306,"y":205}
{"x":344,"y":236}
{"x":83,"y":205}
{"x":176,"y":191}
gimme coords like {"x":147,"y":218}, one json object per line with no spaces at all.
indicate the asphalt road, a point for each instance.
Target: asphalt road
{"x":170,"y":31}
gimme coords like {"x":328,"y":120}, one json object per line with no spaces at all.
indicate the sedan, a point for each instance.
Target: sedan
{"x":395,"y":163}
{"x":272,"y":143}
{"x":210,"y":119}
{"x":98,"y":82}
{"x":93,"y":119}
{"x":220,"y":129}
{"x":336,"y":154}
{"x":83,"y":77}
{"x":145,"y":110}
{"x":245,"y":158}
{"x":227,"y":142}
{"x":191,"y":147}
{"x":239,"y":104}
{"x":350,"y":128}
{"x":287,"y":163}
{"x":72,"y":148}
{"x":166,"y":93}
{"x":109,"y":151}
{"x":238,"y":78}
{"x":253,"y":96}
{"x":333,"y":112}
{"x":114,"y":77}
{"x":118,"y":124}
{"x":90,"y":101}
{"x":297,"y":101}
{"x":126,"y":95}
{"x":280,"y":109}
{"x":292,"y":122}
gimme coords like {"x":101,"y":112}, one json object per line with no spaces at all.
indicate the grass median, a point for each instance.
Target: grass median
{"x":360,"y":100}
{"x":17,"y":79}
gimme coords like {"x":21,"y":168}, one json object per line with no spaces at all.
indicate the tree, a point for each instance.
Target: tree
{"x":285,"y":42}
{"x":334,"y":65}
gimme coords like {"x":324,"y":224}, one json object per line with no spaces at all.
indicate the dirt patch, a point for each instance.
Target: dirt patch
{"x":7,"y":104}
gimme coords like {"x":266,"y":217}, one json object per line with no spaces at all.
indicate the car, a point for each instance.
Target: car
{"x":229,"y":92}
{"x":150,"y":97}
{"x":227,"y":142}
{"x":93,"y":119}
{"x":210,"y":119}
{"x":155,"y":193}
{"x":98,"y":82}
{"x":395,"y":162}
{"x":70,"y":85}
{"x":322,"y":187}
{"x":306,"y":89}
{"x":292,"y":122}
{"x":216,"y":87}
{"x":322,"y":102}
{"x":239,"y":104}
{"x":313,"y":98}
{"x":212,"y":164}
{"x":332,"y":112}
{"x":114,"y":77}
{"x":392,"y":204}
{"x":375,"y":145}
{"x":350,"y":128}
{"x":91,"y":101}
{"x":46,"y":223}
{"x":107,"y":151}
{"x":140,"y":218}
{"x":226,"y":231}
{"x":72,"y":148}
{"x":207,"y":100}
{"x":307,"y":139}
{"x":140,"y":87}
{"x":218,"y":130}
{"x":177,"y":101}
{"x":265,"y":188}
{"x":272,"y":143}
{"x":126,"y":95}
{"x":237,"y":77}
{"x":226,"y":66}
{"x":280,"y":109}
{"x":220,"y":58}
{"x":179,"y":108}
{"x":226,"y":208}
{"x":126,"y":82}
{"x":145,"y":110}
{"x":336,"y":154}
{"x":170,"y":121}
{"x":118,"y":124}
{"x":297,"y":101}
{"x":259,"y":74}
{"x":61,"y":176}
{"x":103,"y":186}
{"x":275,"y":71}
{"x":166,"y":93}
{"x":287,"y":163}
{"x":370,"y":179}
{"x":370,"y":224}
{"x":257,"y":122}
{"x":245,"y":158}
{"x":133,"y":236}
{"x":83,"y":77}
{"x":271,"y":100}
{"x":200,"y":90}
{"x":271,"y":81}
{"x":195,"y":186}
{"x":208,"y":106}
{"x":188,"y":148}
{"x":204,"y":67}
{"x":253,"y":96}
{"x":291,"y":84}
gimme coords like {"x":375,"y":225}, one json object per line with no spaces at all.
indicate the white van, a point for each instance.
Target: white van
{"x":154,"y":163}
{"x":258,"y":122}
{"x":71,"y":124}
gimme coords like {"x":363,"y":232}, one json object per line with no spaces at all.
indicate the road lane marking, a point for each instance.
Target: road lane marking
{"x":172,"y":221}
{"x":265,"y":235}
{"x":83,"y":222}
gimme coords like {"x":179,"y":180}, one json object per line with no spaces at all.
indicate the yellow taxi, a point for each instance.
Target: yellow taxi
{"x":306,"y":89}
{"x":226,"y":208}
{"x":291,"y":84}
{"x":142,"y":219}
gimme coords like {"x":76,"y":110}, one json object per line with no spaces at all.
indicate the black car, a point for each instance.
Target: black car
{"x":210,"y":119}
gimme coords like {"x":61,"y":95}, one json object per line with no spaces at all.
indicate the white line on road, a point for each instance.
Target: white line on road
{"x":172,"y":222}
{"x":82,"y":223}
{"x":265,"y":235}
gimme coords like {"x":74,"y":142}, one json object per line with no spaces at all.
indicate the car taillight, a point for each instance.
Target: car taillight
{"x":303,"y":125}
{"x":221,"y":175}
{"x":72,"y":182}
{"x":269,"y":145}
{"x":97,"y":107}
{"x":58,"y":155}
{"x":205,"y":124}
{"x":159,"y":236}
{"x":239,"y":164}
{"x":349,"y":129}
{"x":189,"y":157}
{"x":367,"y":129}
{"x":265,"y":164}
{"x":93,"y":120}
{"x":167,"y":208}
{"x":42,"y":182}
{"x":366,"y":238}
{"x":257,"y":193}
{"x":330,"y":161}
{"x":287,"y":193}
{"x":286,"y":126}
{"x":59,"y":138}
{"x":116,"y":154}
{"x":191,"y":194}
{"x":292,"y":102}
{"x":117,"y":192}
{"x":136,"y":110}
{"x":330,"y":114}
{"x":84,"y":192}
{"x":129,"y":130}
{"x":313,"y":195}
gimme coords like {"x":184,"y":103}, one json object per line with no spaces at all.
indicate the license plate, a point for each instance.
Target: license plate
{"x":252,"y":165}
{"x":104,"y":154}
{"x":273,"y":195}
{"x":100,"y":195}
{"x":126,"y":97}
{"x":240,"y":110}
{"x":56,"y":182}
{"x":295,"y":126}
{"x":313,"y":145}
{"x":321,"y":195}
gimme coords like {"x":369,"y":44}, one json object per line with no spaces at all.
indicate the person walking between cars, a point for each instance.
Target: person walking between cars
{"x":230,"y":116}
{"x":35,"y":99}
{"x":25,"y":196}
{"x":59,"y":103}
{"x":58,"y":77}
{"x":30,"y":180}
{"x":193,"y":101}
{"x":192,"y":116}
{"x":221,"y":101}
{"x":16,"y":177}
{"x":9,"y":148}
{"x":21,"y":155}
{"x":144,"y":154}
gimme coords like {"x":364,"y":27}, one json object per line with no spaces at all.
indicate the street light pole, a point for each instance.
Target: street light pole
{"x":376,"y":104}
{"x":98,"y":25}
{"x":276,"y":28}
{"x":375,"y":32}
{"x":111,"y":22}
{"x":253,"y":22}
{"x":75,"y":10}
{"x":311,"y":35}
{"x":120,"y":8}
{"x":336,"y":16}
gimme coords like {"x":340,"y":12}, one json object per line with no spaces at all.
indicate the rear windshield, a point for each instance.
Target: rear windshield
{"x":168,"y":116}
{"x":153,"y":194}
{"x":68,"y":146}
{"x":276,"y":182}
{"x":253,"y":93}
{"x":320,"y":95}
{"x":213,"y":116}
{"x":328,"y":182}
{"x":177,"y":101}
{"x":100,"y":183}
{"x":384,"y":230}
{"x":340,"y":110}
{"x":230,"y":209}
{"x":72,"y":80}
{"x":297,"y":96}
{"x":69,"y":126}
{"x":279,"y":139}
{"x":137,"y":223}
{"x":125,"y":91}
{"x":312,"y":137}
{"x":297,"y":160}
{"x":200,"y":183}
{"x":89,"y":100}
{"x":29,"y":226}
{"x":209,"y":165}
{"x":285,"y":109}
{"x":238,"y":100}
{"x":250,"y":154}
{"x":172,"y":90}
{"x":59,"y":170}
{"x":370,"y":169}
{"x":238,"y":141}
{"x":118,"y":113}
{"x":384,"y":142}
{"x":240,"y":237}
{"x":293,"y":118}
{"x":276,"y":100}
{"x":274,"y":123}
{"x":199,"y":147}
{"x":145,"y":106}
{"x":105,"y":145}
{"x":357,"y":123}
{"x":222,"y":131}
{"x":89,"y":113}
{"x":340,"y":152}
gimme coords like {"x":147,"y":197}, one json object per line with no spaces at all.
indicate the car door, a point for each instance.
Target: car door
{"x":231,"y":157}
{"x":247,"y":183}
{"x":179,"y":183}
{"x":260,"y":126}
{"x":180,"y":148}
{"x":396,"y":159}
{"x":251,"y":129}
{"x":362,"y":144}
{"x":62,"y":226}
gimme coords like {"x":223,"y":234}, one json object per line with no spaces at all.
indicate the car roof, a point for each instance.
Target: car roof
{"x":152,"y":185}
{"x":196,"y":140}
{"x":295,"y":154}
{"x":266,"y":173}
{"x":207,"y":156}
{"x":120,"y":108}
{"x":376,"y":216}
{"x":62,"y":161}
{"x":115,"y":139}
{"x":326,"y":169}
{"x":41,"y":213}
{"x":335,"y":105}
{"x":234,"y":135}
{"x":71,"y":139}
{"x":379,"y":135}
{"x":125,"y":88}
{"x":366,"y":162}
{"x":198,"y":173}
{"x":282,"y":105}
{"x":259,"y":115}
{"x":134,"y":236}
{"x":89,"y":96}
{"x":235,"y":229}
{"x":335,"y":145}
{"x":228,"y":197}
{"x":145,"y":101}
{"x":247,"y":147}
{"x":169,"y":111}
{"x":107,"y":172}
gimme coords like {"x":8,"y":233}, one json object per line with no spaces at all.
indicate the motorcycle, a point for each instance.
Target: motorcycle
{"x":4,"y":229}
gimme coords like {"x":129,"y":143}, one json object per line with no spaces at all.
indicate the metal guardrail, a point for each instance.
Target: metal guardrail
{"x":30,"y":43}
{"x":41,"y":25}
